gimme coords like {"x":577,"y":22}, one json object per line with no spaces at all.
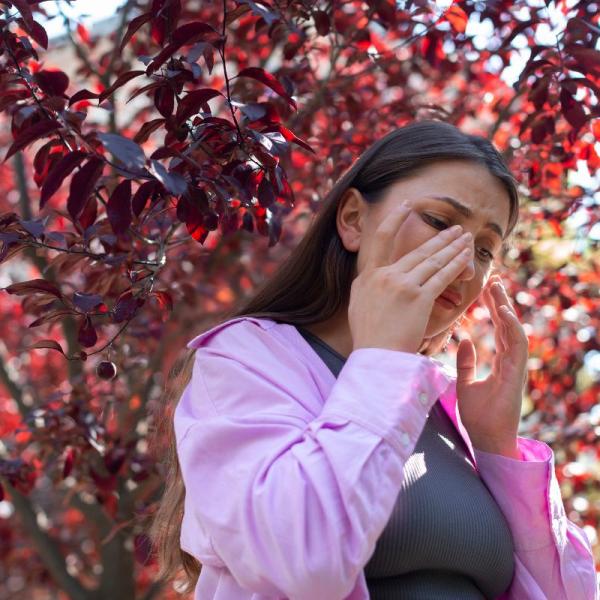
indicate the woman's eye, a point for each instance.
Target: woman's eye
{"x":436,"y":222}
{"x":486,"y":255}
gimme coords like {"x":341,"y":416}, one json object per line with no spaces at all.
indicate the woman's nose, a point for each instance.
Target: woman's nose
{"x":469,"y":271}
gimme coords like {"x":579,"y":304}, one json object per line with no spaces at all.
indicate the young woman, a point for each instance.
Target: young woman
{"x":322,"y":453}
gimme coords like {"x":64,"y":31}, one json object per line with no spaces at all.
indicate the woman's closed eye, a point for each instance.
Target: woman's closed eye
{"x":438,"y":224}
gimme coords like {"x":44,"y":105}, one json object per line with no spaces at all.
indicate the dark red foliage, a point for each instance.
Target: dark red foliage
{"x":165,"y":162}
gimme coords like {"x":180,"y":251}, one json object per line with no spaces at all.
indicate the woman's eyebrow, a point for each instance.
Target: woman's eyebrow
{"x":467,"y":212}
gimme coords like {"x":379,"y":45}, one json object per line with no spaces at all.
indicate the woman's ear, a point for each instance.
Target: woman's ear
{"x":350,"y":218}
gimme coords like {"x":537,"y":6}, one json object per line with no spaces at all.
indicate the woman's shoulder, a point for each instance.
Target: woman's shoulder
{"x":248,"y":337}
{"x":231,"y":329}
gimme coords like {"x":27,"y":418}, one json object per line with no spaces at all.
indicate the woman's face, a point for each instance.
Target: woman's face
{"x":483,"y":209}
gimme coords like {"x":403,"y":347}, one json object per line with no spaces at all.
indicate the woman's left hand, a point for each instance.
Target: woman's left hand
{"x":490,"y":409}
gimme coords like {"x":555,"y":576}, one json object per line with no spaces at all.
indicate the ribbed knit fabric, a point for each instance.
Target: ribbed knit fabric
{"x":446,"y":536}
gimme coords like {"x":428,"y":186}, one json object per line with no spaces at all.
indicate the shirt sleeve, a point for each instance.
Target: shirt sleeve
{"x":553,"y":554}
{"x":294,"y":500}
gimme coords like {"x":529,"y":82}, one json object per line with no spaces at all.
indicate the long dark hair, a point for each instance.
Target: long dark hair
{"x":315,"y":280}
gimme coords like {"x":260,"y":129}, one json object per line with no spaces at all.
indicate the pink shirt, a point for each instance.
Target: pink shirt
{"x":291,"y":474}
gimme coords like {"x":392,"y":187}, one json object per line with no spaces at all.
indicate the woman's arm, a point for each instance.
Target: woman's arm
{"x":294,"y":494}
{"x":555,"y":553}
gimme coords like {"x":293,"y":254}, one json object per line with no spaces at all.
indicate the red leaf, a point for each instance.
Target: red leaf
{"x":587,"y":58}
{"x":190,"y":33}
{"x":53,"y":83}
{"x":120,"y":81}
{"x":32,"y":287}
{"x":10,"y":97}
{"x":190,"y":213}
{"x":164,"y":300}
{"x":40,"y":161}
{"x":82,"y":185}
{"x":457,"y":17}
{"x":141,"y":196}
{"x":32,"y":133}
{"x":266,"y":193}
{"x":23,"y":7}
{"x":322,"y":22}
{"x":164,"y":100}
{"x":84,"y":34}
{"x":105,"y":484}
{"x":37,"y":32}
{"x":572,"y":110}
{"x":146,"y":88}
{"x":83,"y":95}
{"x":538,"y":132}
{"x":47,"y":344}
{"x":126,"y":307}
{"x":54,"y":314}
{"x":69,"y":460}
{"x":147,"y":129}
{"x":190,"y":104}
{"x":269,"y":80}
{"x":89,"y":213}
{"x":133,"y":27}
{"x":55,"y":178}
{"x":118,"y":208}
{"x":289,"y":136}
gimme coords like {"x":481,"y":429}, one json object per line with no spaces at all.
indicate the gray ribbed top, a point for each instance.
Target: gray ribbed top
{"x":446,"y":536}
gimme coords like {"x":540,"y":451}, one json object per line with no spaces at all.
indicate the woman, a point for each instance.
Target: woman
{"x":325,"y":454}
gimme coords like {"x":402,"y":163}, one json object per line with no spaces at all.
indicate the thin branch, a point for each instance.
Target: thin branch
{"x":221,"y":50}
{"x":90,"y":254}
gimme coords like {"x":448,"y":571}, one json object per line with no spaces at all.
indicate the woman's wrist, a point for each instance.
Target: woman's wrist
{"x":508,"y":450}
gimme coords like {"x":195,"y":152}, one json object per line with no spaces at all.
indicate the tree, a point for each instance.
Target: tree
{"x":129,"y":226}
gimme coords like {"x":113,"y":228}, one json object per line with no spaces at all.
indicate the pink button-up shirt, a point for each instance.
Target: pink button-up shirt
{"x":291,"y":474}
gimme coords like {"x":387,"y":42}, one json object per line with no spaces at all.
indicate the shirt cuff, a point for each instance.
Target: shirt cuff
{"x":521,"y":489}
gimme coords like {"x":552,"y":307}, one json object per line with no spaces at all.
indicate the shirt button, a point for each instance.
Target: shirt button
{"x":405,"y":439}
{"x":423,"y":398}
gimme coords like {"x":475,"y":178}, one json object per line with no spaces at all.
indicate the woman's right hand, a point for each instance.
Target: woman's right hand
{"x":391,"y":299}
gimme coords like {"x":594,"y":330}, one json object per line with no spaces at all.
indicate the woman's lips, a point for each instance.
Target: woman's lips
{"x":445,"y":302}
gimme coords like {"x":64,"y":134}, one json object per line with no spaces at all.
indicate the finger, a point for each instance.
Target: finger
{"x":500,"y":291}
{"x":447,"y":259}
{"x":514,"y":326}
{"x":501,"y":302}
{"x":442,"y":277}
{"x":499,"y":329}
{"x":442,"y":246}
{"x":466,"y":361}
{"x":380,"y":252}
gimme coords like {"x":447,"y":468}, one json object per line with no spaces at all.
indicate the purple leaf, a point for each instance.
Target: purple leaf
{"x":173,"y":182}
{"x":82,"y":185}
{"x":125,"y":150}
{"x":32,"y":133}
{"x":118,"y":209}
{"x":55,"y":178}
{"x":269,"y":80}
{"x":140,"y":198}
{"x":86,"y":302}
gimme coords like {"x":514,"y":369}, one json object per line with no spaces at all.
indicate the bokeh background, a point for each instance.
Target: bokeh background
{"x":233,"y":178}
